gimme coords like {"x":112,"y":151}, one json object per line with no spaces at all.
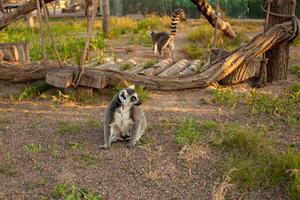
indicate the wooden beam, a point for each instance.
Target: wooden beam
{"x":19,"y":13}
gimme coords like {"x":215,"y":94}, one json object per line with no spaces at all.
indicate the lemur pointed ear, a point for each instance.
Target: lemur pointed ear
{"x":123,"y":94}
{"x":131,"y":87}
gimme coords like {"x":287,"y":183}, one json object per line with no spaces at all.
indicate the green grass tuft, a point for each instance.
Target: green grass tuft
{"x":33,"y":148}
{"x":225,"y":97}
{"x":194,"y":51}
{"x":68,"y":127}
{"x":150,"y":63}
{"x":68,"y":191}
{"x":296,"y":41}
{"x":7,"y":168}
{"x":296,"y":70}
{"x":187,"y":132}
{"x":33,"y":90}
{"x":89,"y":159}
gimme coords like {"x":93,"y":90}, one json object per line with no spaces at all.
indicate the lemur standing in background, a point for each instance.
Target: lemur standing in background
{"x":161,"y":40}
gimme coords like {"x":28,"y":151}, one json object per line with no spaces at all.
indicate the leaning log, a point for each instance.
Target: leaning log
{"x":210,"y":14}
{"x":175,"y":69}
{"x":216,"y":71}
{"x":19,"y":13}
{"x":158,"y":67}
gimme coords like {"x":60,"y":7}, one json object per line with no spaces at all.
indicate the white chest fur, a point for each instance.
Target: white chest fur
{"x":122,"y":120}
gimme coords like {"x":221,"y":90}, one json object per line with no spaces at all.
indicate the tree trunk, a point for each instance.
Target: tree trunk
{"x":106,"y":14}
{"x":19,"y":13}
{"x":278,"y":56}
{"x":210,"y":14}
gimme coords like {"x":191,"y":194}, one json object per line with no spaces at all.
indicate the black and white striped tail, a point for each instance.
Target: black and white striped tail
{"x":176,"y":16}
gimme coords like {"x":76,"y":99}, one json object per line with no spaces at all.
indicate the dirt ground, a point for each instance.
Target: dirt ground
{"x":153,"y":170}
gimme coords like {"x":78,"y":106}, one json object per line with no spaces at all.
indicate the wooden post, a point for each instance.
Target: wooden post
{"x":278,"y":56}
{"x":106,"y":14}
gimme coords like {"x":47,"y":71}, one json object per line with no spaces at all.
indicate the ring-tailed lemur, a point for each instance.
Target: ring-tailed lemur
{"x":161,"y":40}
{"x":124,"y":119}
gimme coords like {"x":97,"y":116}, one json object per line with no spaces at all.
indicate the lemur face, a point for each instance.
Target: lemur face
{"x":129,"y":97}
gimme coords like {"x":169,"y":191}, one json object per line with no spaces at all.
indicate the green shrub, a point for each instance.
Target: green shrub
{"x":193,"y":51}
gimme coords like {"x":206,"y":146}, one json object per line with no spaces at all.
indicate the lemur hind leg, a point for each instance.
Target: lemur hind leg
{"x":172,"y":50}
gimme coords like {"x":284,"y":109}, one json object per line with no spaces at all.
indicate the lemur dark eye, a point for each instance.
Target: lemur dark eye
{"x":132,"y":99}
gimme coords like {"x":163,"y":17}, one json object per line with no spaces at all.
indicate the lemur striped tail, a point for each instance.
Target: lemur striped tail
{"x":177,"y":14}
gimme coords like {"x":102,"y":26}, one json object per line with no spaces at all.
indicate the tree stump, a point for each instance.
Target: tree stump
{"x":278,"y":56}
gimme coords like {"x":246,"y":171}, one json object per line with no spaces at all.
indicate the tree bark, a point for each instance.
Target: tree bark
{"x":106,"y":14}
{"x":210,"y":14}
{"x":278,"y":56}
{"x":19,"y":13}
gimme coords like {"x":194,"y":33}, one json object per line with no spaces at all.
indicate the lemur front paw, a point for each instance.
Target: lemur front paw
{"x":130,"y":145}
{"x":104,"y":147}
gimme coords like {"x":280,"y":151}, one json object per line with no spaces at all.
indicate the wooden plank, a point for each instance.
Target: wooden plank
{"x":192,"y":69}
{"x":61,"y":78}
{"x":157,"y":68}
{"x":136,"y":69}
{"x":175,"y":69}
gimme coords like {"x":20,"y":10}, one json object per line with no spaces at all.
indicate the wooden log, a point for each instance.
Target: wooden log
{"x":19,"y":13}
{"x":278,"y":57}
{"x":217,"y":71}
{"x":61,"y":78}
{"x":243,"y":73}
{"x":192,"y":69}
{"x":158,"y":67}
{"x":17,"y":72}
{"x":15,"y":52}
{"x":94,"y":79}
{"x":175,"y":69}
{"x":210,"y":14}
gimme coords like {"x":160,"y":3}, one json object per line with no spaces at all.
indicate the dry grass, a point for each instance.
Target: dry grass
{"x":191,"y":153}
{"x":220,"y":190}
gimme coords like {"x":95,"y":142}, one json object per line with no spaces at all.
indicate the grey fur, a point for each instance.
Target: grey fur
{"x":124,"y":119}
{"x":161,"y":40}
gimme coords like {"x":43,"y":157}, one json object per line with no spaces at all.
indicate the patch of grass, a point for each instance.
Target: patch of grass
{"x":225,"y":97}
{"x":285,"y":108}
{"x":76,"y":145}
{"x":33,"y":148}
{"x":296,"y":41}
{"x":146,"y":142}
{"x":126,"y":66}
{"x":89,"y":159}
{"x":93,"y":123}
{"x":251,"y":159}
{"x":68,"y":127}
{"x":296,"y":70}
{"x":68,"y":191}
{"x":202,"y":35}
{"x":142,"y":38}
{"x":7,"y":168}
{"x":149,"y":23}
{"x":187,"y":132}
{"x":33,"y":90}
{"x":194,"y":51}
{"x":123,"y":25}
{"x":150,"y":63}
